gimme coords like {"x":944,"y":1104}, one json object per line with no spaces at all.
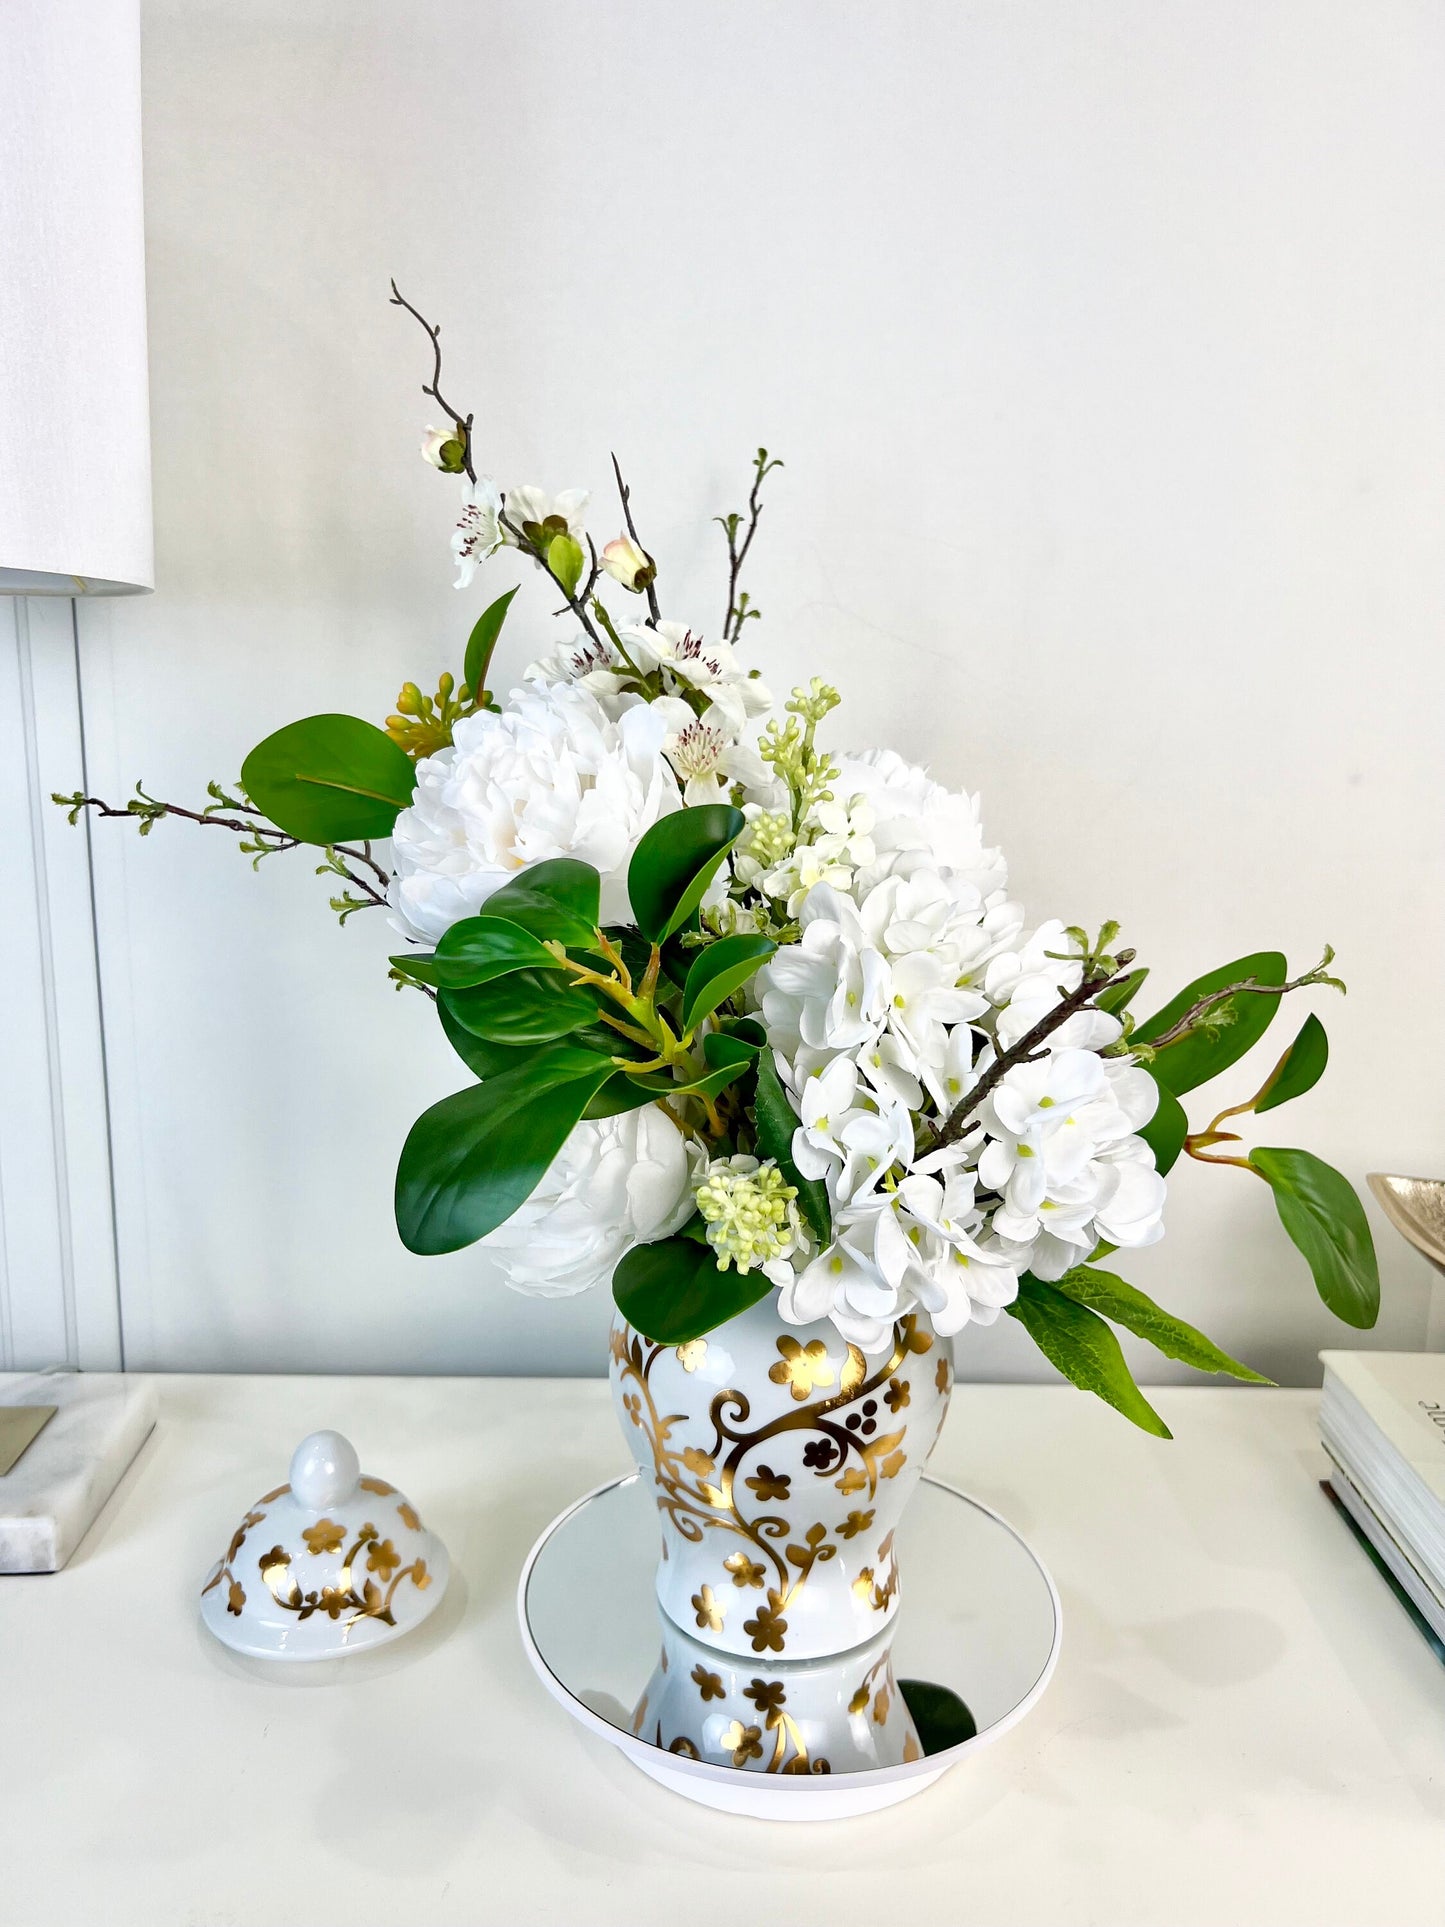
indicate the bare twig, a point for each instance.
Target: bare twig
{"x":1192,"y":1017}
{"x":1027,"y":1047}
{"x":462,"y":423}
{"x":738,"y":551}
{"x":345,"y":860}
{"x":653,"y":610}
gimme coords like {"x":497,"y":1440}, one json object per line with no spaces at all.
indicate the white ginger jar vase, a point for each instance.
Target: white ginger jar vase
{"x":841,"y":1714}
{"x":781,"y":1458}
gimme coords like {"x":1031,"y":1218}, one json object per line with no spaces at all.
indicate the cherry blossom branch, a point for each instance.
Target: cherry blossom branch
{"x":463,"y":424}
{"x":1027,"y":1048}
{"x":653,"y":610}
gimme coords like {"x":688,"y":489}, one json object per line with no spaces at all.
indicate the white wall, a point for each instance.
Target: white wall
{"x":1104,"y":344}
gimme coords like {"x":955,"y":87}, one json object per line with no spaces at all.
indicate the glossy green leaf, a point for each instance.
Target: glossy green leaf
{"x":1167,"y":1129}
{"x":472,"y":1159}
{"x":940,"y":1717}
{"x":482,"y":641}
{"x":330,"y":779}
{"x":478,"y":950}
{"x":1123,"y":993}
{"x":776,"y":1121}
{"x":1126,"y":1305}
{"x":1229,"y":1030}
{"x":675,"y":861}
{"x":1324,"y":1218}
{"x":673,"y":1292}
{"x":1301,"y":1067}
{"x":525,"y":1008}
{"x":719,"y":970}
{"x":1084,"y":1349}
{"x":556,"y":900}
{"x":480,"y":1055}
{"x":620,"y":1093}
{"x":747,"y":1029}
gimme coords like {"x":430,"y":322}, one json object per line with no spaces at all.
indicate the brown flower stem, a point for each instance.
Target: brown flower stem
{"x":1191,"y":1017}
{"x":462,"y":423}
{"x":1027,"y":1048}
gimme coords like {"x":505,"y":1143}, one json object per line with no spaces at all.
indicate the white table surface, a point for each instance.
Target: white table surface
{"x":1244,"y":1727}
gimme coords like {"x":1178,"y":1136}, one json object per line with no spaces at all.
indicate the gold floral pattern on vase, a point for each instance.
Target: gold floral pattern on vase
{"x":737,"y":1456}
{"x":842,"y":1713}
{"x":313,"y":1570}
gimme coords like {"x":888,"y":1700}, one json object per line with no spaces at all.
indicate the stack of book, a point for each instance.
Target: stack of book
{"x":1382,"y":1420}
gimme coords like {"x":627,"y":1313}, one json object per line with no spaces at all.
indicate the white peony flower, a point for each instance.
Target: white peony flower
{"x":478,"y":533}
{"x":550,"y":775}
{"x":617,"y":1183}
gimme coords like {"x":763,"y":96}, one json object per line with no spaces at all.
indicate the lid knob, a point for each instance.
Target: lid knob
{"x":324,"y":1471}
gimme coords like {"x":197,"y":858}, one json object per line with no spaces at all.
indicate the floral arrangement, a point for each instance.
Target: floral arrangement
{"x":746,"y":1013}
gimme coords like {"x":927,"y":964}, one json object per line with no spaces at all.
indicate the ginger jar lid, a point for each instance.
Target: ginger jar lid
{"x":331,"y":1563}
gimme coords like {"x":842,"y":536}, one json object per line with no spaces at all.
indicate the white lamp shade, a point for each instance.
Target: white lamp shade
{"x":75,"y":484}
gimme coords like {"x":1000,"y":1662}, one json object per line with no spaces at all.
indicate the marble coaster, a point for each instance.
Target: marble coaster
{"x":55,"y":1491}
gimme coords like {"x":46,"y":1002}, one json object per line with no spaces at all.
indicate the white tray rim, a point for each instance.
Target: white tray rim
{"x":786,"y":1786}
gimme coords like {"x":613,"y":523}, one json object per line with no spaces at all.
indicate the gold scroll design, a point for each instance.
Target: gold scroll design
{"x":696,"y":1496}
{"x":745,"y":1743}
{"x":275,"y":1565}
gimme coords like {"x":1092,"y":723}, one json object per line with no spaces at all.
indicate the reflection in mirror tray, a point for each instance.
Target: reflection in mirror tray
{"x":968,"y":1655}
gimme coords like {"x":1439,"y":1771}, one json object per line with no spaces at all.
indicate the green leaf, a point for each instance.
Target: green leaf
{"x":620,"y":1093}
{"x":1167,"y":1129}
{"x":330,"y":779}
{"x":1229,"y":1029}
{"x":939,"y":1715}
{"x":471,"y":1160}
{"x":482,"y":641}
{"x":1084,"y":1349}
{"x":478,"y":950}
{"x":776,"y":1121}
{"x":1114,"y":1298}
{"x":1300,"y":1069}
{"x":673,"y":864}
{"x":565,"y":559}
{"x":480,"y":1055}
{"x":725,"y":966}
{"x":1123,"y":992}
{"x":1319,"y":1210}
{"x":673,"y":1292}
{"x":524,"y":1008}
{"x":556,"y":900}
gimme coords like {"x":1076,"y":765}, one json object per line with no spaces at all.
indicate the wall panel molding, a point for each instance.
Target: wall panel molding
{"x":59,"y":1302}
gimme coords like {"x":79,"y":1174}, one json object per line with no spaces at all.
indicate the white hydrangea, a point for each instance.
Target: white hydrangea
{"x":891,"y":1008}
{"x":920,"y":825}
{"x":616,"y":1183}
{"x":550,"y":775}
